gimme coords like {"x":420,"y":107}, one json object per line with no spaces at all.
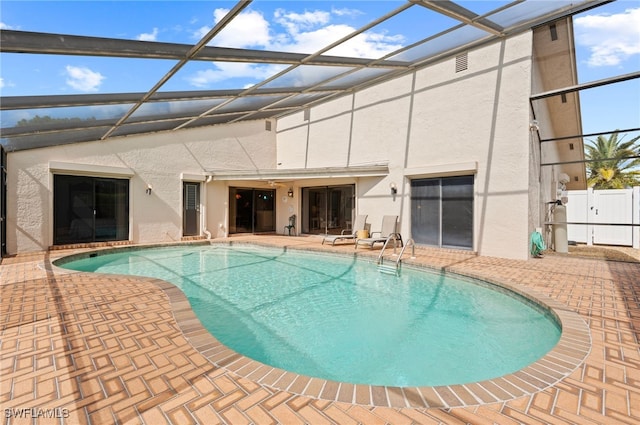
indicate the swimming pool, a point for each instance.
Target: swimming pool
{"x":338,"y":318}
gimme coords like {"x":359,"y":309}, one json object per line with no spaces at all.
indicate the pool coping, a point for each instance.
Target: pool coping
{"x":566,"y":356}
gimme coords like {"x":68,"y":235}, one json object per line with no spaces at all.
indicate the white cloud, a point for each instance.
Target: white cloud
{"x":225,"y":70}
{"x":247,"y":30}
{"x":310,"y":41}
{"x":365,"y":45}
{"x":152,"y":36}
{"x":311,"y":31}
{"x":346,"y":12}
{"x":6,"y":84}
{"x":294,"y":22}
{"x":4,"y":26}
{"x":305,"y":32}
{"x":611,"y":39}
{"x":83,"y":79}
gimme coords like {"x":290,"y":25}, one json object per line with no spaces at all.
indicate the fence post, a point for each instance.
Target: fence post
{"x":635,"y":218}
{"x":591,"y":214}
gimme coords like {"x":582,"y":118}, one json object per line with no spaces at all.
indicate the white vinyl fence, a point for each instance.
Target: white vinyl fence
{"x":613,"y":208}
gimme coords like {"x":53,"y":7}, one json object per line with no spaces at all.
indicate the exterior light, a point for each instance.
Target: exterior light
{"x":534,"y":126}
{"x":149,"y":189}
{"x":394,"y":188}
{"x":290,"y":193}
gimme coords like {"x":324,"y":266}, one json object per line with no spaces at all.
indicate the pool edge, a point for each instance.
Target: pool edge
{"x":561,"y":361}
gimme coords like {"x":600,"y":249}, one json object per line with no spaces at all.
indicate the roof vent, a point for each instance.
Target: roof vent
{"x":462,"y":62}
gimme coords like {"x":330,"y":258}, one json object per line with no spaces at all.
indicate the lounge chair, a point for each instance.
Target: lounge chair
{"x":389,"y":224}
{"x":348,"y":234}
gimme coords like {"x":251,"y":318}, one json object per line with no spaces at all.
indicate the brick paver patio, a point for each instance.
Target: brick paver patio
{"x":116,"y":349}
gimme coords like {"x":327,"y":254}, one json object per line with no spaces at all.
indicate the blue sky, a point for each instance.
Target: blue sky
{"x":607,"y":42}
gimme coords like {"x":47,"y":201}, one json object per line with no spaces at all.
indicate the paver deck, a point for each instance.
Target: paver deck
{"x":115,"y":349}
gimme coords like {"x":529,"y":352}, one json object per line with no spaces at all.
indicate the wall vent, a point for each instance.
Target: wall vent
{"x":563,"y":97}
{"x":462,"y":62}
{"x":307,"y":114}
{"x":267,"y":125}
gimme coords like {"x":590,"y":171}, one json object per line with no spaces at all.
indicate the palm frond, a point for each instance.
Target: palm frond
{"x":618,"y":168}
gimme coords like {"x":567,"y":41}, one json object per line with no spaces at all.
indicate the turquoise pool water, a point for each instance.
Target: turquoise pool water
{"x":339,"y":318}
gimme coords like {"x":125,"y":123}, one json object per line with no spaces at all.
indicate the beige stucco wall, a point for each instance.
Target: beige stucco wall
{"x":160,"y":160}
{"x":434,"y":122}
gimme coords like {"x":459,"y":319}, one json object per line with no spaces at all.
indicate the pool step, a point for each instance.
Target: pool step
{"x":389,"y":269}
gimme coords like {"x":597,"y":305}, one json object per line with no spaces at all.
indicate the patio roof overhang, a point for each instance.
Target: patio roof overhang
{"x":375,"y":170}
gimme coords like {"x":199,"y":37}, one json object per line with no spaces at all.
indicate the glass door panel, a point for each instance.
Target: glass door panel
{"x":240,"y":210}
{"x":73,"y":209}
{"x":457,"y":212}
{"x":111,"y":209}
{"x":315,"y":212}
{"x":265,"y":219}
{"x":425,"y":211}
{"x":340,"y":209}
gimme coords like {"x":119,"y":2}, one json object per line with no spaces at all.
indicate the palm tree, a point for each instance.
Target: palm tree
{"x":616,"y":170}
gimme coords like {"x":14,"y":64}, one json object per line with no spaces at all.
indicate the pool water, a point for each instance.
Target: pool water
{"x":339,"y":318}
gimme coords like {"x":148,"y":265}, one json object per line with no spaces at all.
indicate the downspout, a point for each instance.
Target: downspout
{"x":204,"y":218}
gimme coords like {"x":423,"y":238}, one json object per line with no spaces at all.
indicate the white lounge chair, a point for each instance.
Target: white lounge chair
{"x":389,"y":225}
{"x":348,"y":234}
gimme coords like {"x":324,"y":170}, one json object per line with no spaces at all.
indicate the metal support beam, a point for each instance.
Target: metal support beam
{"x":584,"y":86}
{"x":461,"y":14}
{"x":12,"y":41}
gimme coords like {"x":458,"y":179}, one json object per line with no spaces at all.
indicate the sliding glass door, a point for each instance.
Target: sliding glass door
{"x":251,"y":210}
{"x":327,"y":209}
{"x":442,"y":211}
{"x":90,"y":209}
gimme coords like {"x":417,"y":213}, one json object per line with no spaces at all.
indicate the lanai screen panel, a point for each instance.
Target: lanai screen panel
{"x":211,"y":76}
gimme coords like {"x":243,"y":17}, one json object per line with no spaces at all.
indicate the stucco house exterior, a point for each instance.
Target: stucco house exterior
{"x":458,"y":139}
